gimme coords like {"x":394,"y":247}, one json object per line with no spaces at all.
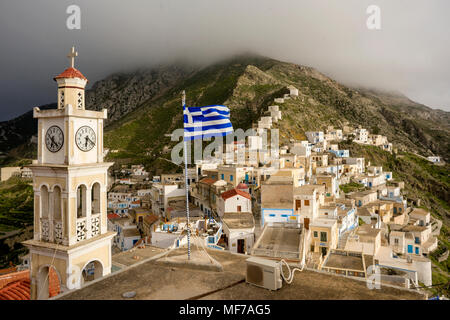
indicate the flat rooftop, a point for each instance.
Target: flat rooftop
{"x":323,"y":222}
{"x":133,"y":256}
{"x":340,"y":261}
{"x":151,"y":280}
{"x":419,"y":211}
{"x":361,"y":193}
{"x":367,"y":230}
{"x":239,"y":220}
{"x":306,"y":189}
{"x":414,"y":228}
{"x":276,"y":238}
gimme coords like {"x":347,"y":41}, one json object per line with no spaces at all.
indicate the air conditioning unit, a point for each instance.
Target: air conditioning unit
{"x":264,"y":273}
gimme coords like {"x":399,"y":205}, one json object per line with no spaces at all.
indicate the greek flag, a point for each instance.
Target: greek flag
{"x":208,"y":121}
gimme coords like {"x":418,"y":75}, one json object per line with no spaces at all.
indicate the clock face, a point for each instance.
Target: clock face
{"x":54,"y":139}
{"x":85,"y":138}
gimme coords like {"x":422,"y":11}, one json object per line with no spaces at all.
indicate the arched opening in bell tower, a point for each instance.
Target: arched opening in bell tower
{"x":57,"y":212}
{"x":81,"y":201}
{"x":44,"y":202}
{"x":44,"y":221}
{"x":93,"y":270}
{"x":57,"y":215}
{"x":95,"y":197}
{"x":48,"y":282}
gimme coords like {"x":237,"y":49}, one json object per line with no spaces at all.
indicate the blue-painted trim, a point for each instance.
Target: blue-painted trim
{"x":291,"y":211}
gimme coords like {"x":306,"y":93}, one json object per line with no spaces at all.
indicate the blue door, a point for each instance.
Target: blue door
{"x":410,"y":248}
{"x":417,"y":250}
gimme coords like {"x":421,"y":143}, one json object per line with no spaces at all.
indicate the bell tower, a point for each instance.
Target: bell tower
{"x":70,"y":191}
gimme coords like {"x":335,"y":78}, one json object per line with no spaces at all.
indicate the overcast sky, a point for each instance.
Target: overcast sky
{"x":410,"y":54}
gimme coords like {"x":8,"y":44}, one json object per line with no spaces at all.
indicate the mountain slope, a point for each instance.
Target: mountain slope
{"x":145,"y":104}
{"x":248,"y":85}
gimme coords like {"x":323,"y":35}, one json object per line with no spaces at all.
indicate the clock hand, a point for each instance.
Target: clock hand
{"x":91,"y":141}
{"x":53,"y":140}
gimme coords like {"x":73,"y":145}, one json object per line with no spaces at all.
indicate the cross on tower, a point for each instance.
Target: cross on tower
{"x":72,"y":56}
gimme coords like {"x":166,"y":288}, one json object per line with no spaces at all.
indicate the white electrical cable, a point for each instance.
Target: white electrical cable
{"x":290,"y":278}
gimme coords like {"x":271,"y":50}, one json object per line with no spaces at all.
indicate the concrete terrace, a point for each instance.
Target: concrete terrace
{"x":278,"y":241}
{"x":153,"y":280}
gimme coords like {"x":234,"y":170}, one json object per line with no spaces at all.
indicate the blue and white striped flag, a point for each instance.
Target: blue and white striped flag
{"x":208,"y":121}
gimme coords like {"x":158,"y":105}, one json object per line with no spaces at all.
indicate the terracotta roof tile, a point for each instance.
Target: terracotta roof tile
{"x":233,"y":192}
{"x":70,"y":73}
{"x":19,"y":290}
{"x":16,"y":285}
{"x":207,"y":180}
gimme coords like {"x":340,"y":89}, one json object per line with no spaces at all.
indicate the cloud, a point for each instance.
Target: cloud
{"x":409,"y":54}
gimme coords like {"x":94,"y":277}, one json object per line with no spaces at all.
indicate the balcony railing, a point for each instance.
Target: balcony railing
{"x":45,"y":229}
{"x":58,"y":231}
{"x":95,"y":224}
{"x":81,"y":229}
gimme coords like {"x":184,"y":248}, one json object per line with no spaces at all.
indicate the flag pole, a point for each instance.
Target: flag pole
{"x":183,"y":102}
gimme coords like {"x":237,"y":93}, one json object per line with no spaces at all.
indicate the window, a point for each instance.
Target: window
{"x":81,"y":201}
{"x":306,"y":202}
{"x":231,"y":177}
{"x":44,"y":202}
{"x":57,"y":212}
{"x":95,"y":198}
{"x":417,"y":240}
{"x":315,"y":234}
{"x":61,"y":99}
{"x":396,"y":241}
{"x":80,"y":100}
{"x":323,"y":236}
{"x":222,"y":176}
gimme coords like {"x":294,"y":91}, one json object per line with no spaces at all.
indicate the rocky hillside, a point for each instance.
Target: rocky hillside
{"x":122,"y":93}
{"x":248,"y":85}
{"x":144,"y":105}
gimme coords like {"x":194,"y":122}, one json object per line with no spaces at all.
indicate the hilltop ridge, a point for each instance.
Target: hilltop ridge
{"x":144,"y":105}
